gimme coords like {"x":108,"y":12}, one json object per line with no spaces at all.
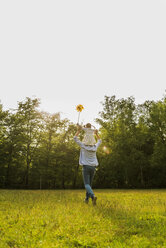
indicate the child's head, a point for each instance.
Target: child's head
{"x":88,"y":125}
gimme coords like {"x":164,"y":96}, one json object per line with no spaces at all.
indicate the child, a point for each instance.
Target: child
{"x":89,"y":138}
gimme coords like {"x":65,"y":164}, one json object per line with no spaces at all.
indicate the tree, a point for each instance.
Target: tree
{"x":127,"y":138}
{"x":155,"y":120}
{"x":3,"y":155}
{"x":29,"y":127}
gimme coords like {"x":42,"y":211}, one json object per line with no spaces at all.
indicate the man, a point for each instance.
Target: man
{"x":89,"y":162}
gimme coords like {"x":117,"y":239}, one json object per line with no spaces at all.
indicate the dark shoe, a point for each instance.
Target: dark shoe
{"x":86,"y":201}
{"x":94,"y":199}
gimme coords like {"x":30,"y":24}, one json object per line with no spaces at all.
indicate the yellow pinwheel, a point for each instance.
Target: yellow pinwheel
{"x":79,"y":109}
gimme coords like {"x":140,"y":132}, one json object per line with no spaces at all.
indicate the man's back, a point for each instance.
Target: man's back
{"x":88,"y":153}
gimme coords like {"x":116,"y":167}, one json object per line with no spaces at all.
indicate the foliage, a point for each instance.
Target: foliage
{"x":134,"y":137}
{"x":37,"y":150}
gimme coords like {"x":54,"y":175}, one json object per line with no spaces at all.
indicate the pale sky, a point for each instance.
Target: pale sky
{"x":71,"y":52}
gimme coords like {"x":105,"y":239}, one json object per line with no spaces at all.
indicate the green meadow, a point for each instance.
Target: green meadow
{"x":60,"y":218}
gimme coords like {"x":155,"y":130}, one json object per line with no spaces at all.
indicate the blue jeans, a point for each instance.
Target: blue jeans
{"x":88,"y":174}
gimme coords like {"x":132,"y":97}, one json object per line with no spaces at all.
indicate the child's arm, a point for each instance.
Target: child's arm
{"x":98,"y":139}
{"x":96,"y":132}
{"x":93,"y":127}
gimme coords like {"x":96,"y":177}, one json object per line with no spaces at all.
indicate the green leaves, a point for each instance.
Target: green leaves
{"x":37,"y":148}
{"x":136,"y":137}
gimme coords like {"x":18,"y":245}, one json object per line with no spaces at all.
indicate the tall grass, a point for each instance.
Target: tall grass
{"x":48,"y":219}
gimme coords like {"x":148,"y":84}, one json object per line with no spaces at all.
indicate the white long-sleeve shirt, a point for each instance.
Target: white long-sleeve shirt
{"x":88,"y":153}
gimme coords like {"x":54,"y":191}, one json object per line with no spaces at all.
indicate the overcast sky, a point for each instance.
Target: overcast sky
{"x":75,"y":52}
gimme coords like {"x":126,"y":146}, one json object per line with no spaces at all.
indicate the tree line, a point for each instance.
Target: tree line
{"x":37,"y":150}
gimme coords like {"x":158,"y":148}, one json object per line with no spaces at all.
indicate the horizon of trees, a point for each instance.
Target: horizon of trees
{"x":37,"y":150}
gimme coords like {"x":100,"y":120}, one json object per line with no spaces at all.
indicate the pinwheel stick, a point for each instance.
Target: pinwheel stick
{"x":79,"y":108}
{"x":78,"y":117}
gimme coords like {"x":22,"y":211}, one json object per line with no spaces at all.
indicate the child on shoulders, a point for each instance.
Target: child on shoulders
{"x":89,"y":138}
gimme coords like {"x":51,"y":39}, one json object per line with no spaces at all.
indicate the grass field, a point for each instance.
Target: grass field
{"x":121,"y":218}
